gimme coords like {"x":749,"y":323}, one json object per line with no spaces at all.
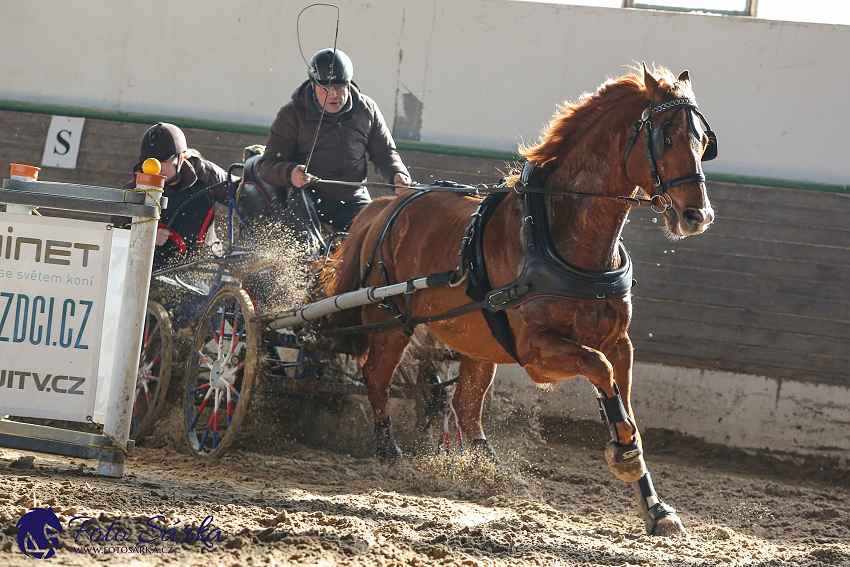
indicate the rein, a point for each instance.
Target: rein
{"x":656,"y":142}
{"x":658,"y":203}
{"x":543,"y":268}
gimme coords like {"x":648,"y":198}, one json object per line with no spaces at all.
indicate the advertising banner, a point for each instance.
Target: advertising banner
{"x":53,"y":281}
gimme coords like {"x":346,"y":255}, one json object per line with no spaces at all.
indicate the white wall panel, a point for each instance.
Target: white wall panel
{"x":486,"y":73}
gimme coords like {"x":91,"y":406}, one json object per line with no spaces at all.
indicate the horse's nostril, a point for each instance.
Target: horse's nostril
{"x":694,"y":216}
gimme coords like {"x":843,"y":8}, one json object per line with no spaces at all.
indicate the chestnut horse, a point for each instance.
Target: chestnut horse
{"x":590,"y":177}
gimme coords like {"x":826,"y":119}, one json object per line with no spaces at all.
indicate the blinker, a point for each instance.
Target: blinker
{"x":699,"y":126}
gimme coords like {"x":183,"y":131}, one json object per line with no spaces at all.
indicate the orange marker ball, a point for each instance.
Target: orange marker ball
{"x":152,"y":166}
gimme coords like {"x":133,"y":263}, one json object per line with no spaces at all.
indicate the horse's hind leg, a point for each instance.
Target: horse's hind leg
{"x":385,"y":351}
{"x":476,"y":377}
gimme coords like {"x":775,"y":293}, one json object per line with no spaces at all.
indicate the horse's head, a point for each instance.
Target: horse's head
{"x":677,"y":139}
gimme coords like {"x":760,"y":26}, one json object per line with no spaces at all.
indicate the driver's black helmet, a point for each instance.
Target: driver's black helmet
{"x":330,"y":68}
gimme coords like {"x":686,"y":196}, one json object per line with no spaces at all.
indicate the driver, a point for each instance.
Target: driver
{"x":347,"y":127}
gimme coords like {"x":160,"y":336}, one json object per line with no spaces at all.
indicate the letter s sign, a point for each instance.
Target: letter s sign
{"x":63,"y":142}
{"x":62,"y":145}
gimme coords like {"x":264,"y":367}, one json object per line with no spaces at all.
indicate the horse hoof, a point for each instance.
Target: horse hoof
{"x":483,"y":454}
{"x":669,"y":527}
{"x":391,"y":459}
{"x":386,"y":448}
{"x":389,"y":454}
{"x":626,"y":461}
{"x":661,"y":520}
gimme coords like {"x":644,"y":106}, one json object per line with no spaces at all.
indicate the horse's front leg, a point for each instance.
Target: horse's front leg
{"x":625,"y":459}
{"x":550,"y":357}
{"x":659,"y":518}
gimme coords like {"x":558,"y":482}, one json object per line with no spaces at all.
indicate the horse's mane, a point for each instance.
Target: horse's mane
{"x":573,"y":119}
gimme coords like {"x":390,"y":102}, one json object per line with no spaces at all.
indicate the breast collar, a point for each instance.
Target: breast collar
{"x":545,"y":273}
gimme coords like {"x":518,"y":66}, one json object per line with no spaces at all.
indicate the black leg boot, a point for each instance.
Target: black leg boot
{"x":386,"y":447}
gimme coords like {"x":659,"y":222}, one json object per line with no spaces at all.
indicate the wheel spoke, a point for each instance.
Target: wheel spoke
{"x":201,"y":410}
{"x":204,"y":359}
{"x":154,"y":370}
{"x":228,"y":405}
{"x":206,"y":432}
{"x":215,"y":420}
{"x":223,"y":319}
{"x":152,"y":334}
{"x":234,"y":337}
{"x":199,"y":388}
{"x":212,"y":330}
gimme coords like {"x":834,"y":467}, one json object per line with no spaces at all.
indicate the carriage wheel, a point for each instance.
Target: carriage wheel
{"x":154,"y":370}
{"x":220,"y":373}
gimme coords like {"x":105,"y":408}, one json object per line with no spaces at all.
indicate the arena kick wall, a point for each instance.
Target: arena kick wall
{"x":740,"y":333}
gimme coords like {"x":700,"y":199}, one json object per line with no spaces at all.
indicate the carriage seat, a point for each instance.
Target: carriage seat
{"x":256,"y":199}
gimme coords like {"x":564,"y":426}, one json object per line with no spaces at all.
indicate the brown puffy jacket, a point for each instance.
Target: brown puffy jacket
{"x":344,"y":141}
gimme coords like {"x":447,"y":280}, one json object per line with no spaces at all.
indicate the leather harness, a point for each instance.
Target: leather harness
{"x":543,"y":273}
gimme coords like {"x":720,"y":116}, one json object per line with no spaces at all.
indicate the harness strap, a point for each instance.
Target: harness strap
{"x":379,"y":242}
{"x":638,"y":126}
{"x":408,"y":306}
{"x":650,"y":156}
{"x":479,"y":285}
{"x":530,"y":182}
{"x":691,"y":178}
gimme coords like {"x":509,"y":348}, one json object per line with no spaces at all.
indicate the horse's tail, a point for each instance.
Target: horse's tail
{"x":345,"y":274}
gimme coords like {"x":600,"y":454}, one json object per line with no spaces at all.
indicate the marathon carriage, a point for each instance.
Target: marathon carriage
{"x":212,"y":334}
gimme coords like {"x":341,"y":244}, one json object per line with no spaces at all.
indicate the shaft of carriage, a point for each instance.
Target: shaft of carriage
{"x":357,"y":298}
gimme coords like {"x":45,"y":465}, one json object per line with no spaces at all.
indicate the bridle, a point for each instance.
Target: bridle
{"x":657,"y":142}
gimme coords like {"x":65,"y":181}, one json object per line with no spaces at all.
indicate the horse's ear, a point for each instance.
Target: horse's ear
{"x":684,"y":77}
{"x":649,"y":80}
